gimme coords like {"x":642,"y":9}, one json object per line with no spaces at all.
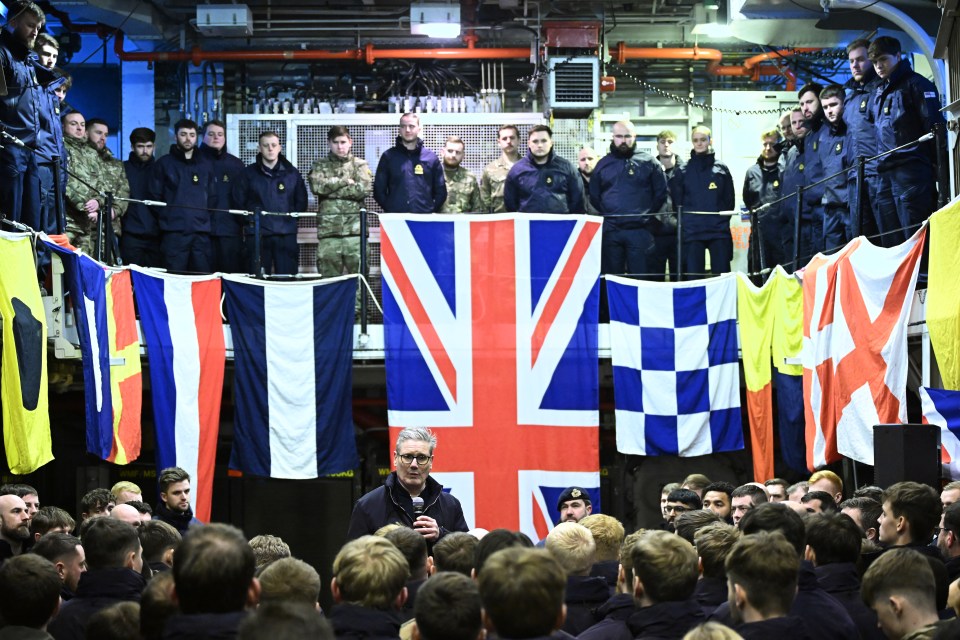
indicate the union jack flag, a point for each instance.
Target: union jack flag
{"x":491,"y":340}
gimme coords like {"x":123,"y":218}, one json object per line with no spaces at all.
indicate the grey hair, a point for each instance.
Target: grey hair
{"x":417,"y":434}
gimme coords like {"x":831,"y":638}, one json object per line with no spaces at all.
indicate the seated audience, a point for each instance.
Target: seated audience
{"x":120,"y":621}
{"x":690,"y":522}
{"x":572,"y":545}
{"x":448,"y":608}
{"x":29,"y":597}
{"x":522,"y":594}
{"x":267,"y":549}
{"x":413,"y":546}
{"x":286,"y":621}
{"x":369,"y":578}
{"x":713,"y":544}
{"x":290,"y":580}
{"x":455,"y":552}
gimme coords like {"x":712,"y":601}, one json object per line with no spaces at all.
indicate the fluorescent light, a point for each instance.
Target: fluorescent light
{"x":435,"y":19}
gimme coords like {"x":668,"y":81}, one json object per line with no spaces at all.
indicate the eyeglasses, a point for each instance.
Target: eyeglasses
{"x":408,"y":458}
{"x":677,"y":508}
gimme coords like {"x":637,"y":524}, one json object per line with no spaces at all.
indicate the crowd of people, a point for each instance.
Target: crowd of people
{"x":763,"y":560}
{"x":885,"y":106}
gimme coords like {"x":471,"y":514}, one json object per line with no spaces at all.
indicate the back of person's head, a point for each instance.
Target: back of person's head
{"x":289,"y":579}
{"x":902,"y":572}
{"x":916,"y":503}
{"x":448,"y":608}
{"x":455,"y":552}
{"x":757,"y":494}
{"x":827,"y":503}
{"x":56,"y":547}
{"x":142,"y":507}
{"x":833,"y":538}
{"x":687,"y":524}
{"x":159,"y":540}
{"x":285,"y":621}
{"x":774,"y":516}
{"x":18,"y":489}
{"x":111,"y":544}
{"x":213,"y":570}
{"x":695,"y":482}
{"x":764,"y":565}
{"x":29,"y":591}
{"x":495,"y":541}
{"x":712,"y":631}
{"x":713,"y":543}
{"x":95,"y":501}
{"x":686,"y":497}
{"x":370,"y":572}
{"x":120,"y":621}
{"x":572,"y":545}
{"x":413,"y":546}
{"x":267,"y":548}
{"x":157,"y":604}
{"x":626,"y":556}
{"x":607,"y":534}
{"x":870,"y":511}
{"x":871,"y":491}
{"x":49,"y":519}
{"x":665,"y":565}
{"x":522,"y":593}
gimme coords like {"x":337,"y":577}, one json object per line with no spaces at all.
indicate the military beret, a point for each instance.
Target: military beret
{"x":573,"y":493}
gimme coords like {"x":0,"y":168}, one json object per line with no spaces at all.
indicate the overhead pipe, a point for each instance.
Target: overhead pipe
{"x":368,"y":54}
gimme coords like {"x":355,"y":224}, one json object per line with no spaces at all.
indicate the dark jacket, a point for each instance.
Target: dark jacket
{"x":627,"y":183}
{"x":668,"y":215}
{"x":179,"y":520}
{"x":177,"y":181}
{"x":812,"y":165}
{"x":704,"y":185}
{"x":50,"y":134}
{"x":226,"y":168}
{"x":280,"y":189}
{"x":409,"y":181}
{"x":794,"y":177}
{"x":361,"y":623}
{"x":906,"y":106}
{"x":551,"y":187}
{"x":665,"y":620}
{"x":140,"y":219}
{"x":204,"y":626}
{"x":612,"y":616}
{"x":842,"y":581}
{"x":609,"y":571}
{"x":953,"y":568}
{"x":391,"y":503}
{"x":710,"y":593}
{"x":761,"y":185}
{"x":858,"y":115}
{"x":833,"y":150}
{"x":786,"y":628}
{"x":582,"y":595}
{"x":14,"y":632}
{"x":20,"y":108}
{"x":97,"y":590}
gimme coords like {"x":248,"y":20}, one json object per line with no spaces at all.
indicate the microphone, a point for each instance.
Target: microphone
{"x":417,"y":507}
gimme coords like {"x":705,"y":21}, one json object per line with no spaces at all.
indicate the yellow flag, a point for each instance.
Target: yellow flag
{"x":943,"y":292}
{"x":26,"y":416}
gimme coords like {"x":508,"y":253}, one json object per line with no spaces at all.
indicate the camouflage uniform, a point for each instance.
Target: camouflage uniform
{"x":114,"y":180}
{"x":491,"y":185}
{"x":340,"y":184}
{"x":463,"y":194}
{"x":84,"y":162}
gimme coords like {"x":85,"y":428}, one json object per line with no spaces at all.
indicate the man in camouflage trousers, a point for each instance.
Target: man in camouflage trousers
{"x":84,"y":203}
{"x":111,"y":177}
{"x":463,"y":194}
{"x":341,"y":182}
{"x":495,"y":174}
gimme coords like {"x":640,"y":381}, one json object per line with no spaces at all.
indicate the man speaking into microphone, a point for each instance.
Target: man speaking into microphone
{"x":409,"y":496}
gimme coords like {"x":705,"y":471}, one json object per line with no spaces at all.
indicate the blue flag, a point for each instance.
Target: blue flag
{"x":86,"y":284}
{"x":293,"y":352}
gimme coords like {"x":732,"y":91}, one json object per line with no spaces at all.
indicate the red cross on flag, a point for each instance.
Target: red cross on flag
{"x":855,"y":308}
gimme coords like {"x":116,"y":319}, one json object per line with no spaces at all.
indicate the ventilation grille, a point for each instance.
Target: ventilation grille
{"x":574,"y":83}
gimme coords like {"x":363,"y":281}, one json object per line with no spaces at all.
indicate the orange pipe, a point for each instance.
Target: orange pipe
{"x":369,"y":54}
{"x":775,"y":55}
{"x":623,"y":53}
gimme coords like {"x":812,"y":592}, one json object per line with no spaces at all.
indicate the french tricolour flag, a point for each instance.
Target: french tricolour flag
{"x":183,"y":331}
{"x":293,"y":349}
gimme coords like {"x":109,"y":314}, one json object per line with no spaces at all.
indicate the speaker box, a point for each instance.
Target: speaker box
{"x":906,"y":452}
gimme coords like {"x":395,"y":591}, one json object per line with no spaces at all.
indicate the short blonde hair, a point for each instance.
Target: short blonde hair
{"x":830,"y":477}
{"x":124,"y":485}
{"x":702,"y":129}
{"x":370,"y":572}
{"x":607,"y":534}
{"x":573,"y":546}
{"x":712,"y":631}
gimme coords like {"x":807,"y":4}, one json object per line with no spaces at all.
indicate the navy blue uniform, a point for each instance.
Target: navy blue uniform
{"x":862,"y":141}
{"x":50,"y":146}
{"x":906,"y":107}
{"x":409,"y":180}
{"x":551,"y":187}
{"x":797,"y":172}
{"x":226,"y":229}
{"x":281,"y":190}
{"x":705,"y":185}
{"x":624,"y":184}
{"x":188,"y":188}
{"x":761,"y":185}
{"x":20,"y":113}
{"x":663,"y":257}
{"x":140,"y":242}
{"x":833,"y":151}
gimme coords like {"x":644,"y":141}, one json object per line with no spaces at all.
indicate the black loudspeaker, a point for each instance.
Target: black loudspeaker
{"x":906,"y":452}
